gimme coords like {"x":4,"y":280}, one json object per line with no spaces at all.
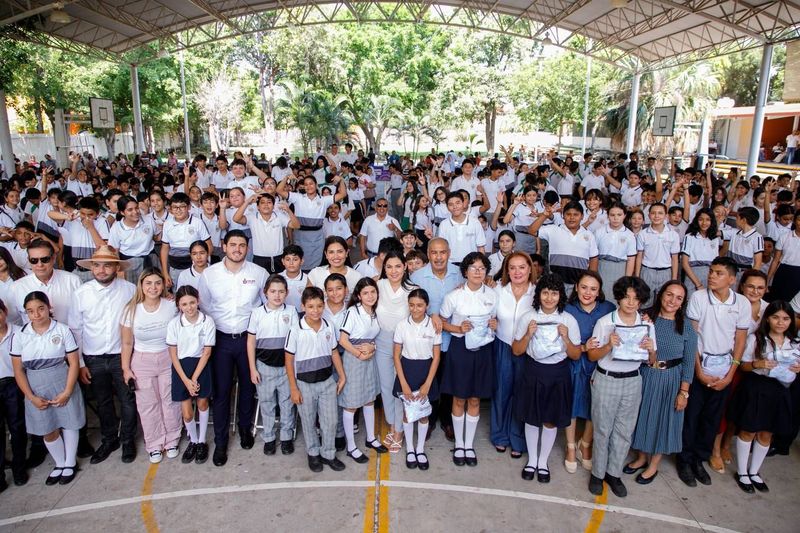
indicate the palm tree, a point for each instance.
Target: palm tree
{"x":329,"y":117}
{"x":294,"y":107}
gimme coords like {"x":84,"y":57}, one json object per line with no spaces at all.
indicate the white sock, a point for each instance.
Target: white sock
{"x":56,"y":449}
{"x":191,"y":430}
{"x":422,"y":433}
{"x":548,"y":439}
{"x":759,"y":454}
{"x":458,"y":430}
{"x":408,"y":428}
{"x":348,"y":419}
{"x":742,"y":455}
{"x":70,"y":438}
{"x":201,"y":437}
{"x":532,"y":442}
{"x":369,"y":421}
{"x":472,"y":427}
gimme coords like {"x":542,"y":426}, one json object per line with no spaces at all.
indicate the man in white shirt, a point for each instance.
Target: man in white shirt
{"x":466,"y":181}
{"x":377,"y":227}
{"x":791,"y":146}
{"x":94,"y":318}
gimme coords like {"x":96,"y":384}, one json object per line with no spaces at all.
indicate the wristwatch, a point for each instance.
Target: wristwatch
{"x":684,"y":393}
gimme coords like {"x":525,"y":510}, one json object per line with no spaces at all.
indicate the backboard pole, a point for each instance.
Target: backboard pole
{"x":758,"y":115}
{"x":633,"y":108}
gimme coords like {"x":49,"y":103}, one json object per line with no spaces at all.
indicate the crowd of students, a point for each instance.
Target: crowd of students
{"x":640,"y":310}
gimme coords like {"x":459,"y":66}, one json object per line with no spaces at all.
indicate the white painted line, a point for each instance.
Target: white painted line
{"x":557,"y":500}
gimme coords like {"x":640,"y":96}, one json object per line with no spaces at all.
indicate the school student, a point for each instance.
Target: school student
{"x":701,"y":245}
{"x":133,"y":237}
{"x":658,"y":248}
{"x":296,"y":279}
{"x":190,"y":337}
{"x":336,"y":292}
{"x":417,"y":349}
{"x":616,"y":246}
{"x":267,"y":227}
{"x":784,"y":272}
{"x":177,"y":235}
{"x":543,"y":400}
{"x":200,"y":254}
{"x":12,"y":407}
{"x":311,"y":357}
{"x":463,"y":232}
{"x":266,"y":337}
{"x":746,"y":245}
{"x":520,"y":215}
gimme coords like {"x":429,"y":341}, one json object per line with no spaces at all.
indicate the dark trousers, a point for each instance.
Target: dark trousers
{"x":443,"y":407}
{"x":12,"y":415}
{"x":229,"y":357}
{"x":106,"y":383}
{"x":701,"y":421}
{"x":782,"y":441}
{"x":273,"y":265}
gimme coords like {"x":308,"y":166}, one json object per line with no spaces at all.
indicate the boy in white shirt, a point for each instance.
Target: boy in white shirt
{"x":464,"y":233}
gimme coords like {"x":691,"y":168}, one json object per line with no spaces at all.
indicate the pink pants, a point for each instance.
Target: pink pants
{"x":161,"y":417}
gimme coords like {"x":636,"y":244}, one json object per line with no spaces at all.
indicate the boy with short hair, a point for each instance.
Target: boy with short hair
{"x":179,"y":232}
{"x":746,"y":245}
{"x":464,"y":233}
{"x":296,"y":279}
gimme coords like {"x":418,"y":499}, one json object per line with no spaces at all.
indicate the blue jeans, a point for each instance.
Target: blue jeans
{"x":790,"y":155}
{"x":505,"y":430}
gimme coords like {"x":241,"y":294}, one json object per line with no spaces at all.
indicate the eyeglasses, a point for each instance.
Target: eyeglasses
{"x":35,"y":260}
{"x":477,"y":269}
{"x":755,"y":287}
{"x":179,"y":206}
{"x":382,"y":205}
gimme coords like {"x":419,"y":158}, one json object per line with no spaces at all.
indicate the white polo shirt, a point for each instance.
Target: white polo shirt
{"x":270,"y":328}
{"x":522,"y":217}
{"x":310,"y":212}
{"x":133,"y":242}
{"x":295,"y":288}
{"x":340,"y":228}
{"x":631,"y":196}
{"x":360,"y":326}
{"x":60,"y":290}
{"x":463,"y":237}
{"x":267,"y":234}
{"x":602,"y":331}
{"x":600,"y":220}
{"x":375,"y":230}
{"x":312,"y":350}
{"x":700,"y":250}
{"x":190,"y":339}
{"x":789,"y":244}
{"x":220,"y":181}
{"x":521,"y":328}
{"x":569,"y":253}
{"x":491,"y":188}
{"x":228,"y":297}
{"x":10,"y":217}
{"x":318,"y":275}
{"x":43,"y":351}
{"x":245,"y":184}
{"x":366,"y":267}
{"x":658,"y":247}
{"x":336,"y":319}
{"x":615,"y":245}
{"x":509,"y":310}
{"x":417,"y":338}
{"x":180,"y":236}
{"x":190,"y":276}
{"x":461,"y":304}
{"x":744,"y":246}
{"x":469,"y":185}
{"x":566,"y":186}
{"x":214,"y":231}
{"x":6,"y":367}
{"x":718,"y":321}
{"x":96,"y":313}
{"x":593,"y":181}
{"x":79,"y":238}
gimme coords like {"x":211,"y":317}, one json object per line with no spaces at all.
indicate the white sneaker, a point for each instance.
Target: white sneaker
{"x":172,"y":453}
{"x":155,"y":457}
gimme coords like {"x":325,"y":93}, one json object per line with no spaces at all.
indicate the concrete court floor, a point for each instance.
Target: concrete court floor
{"x":255,"y":492}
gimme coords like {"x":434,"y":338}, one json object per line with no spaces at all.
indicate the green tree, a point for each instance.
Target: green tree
{"x":738,"y":74}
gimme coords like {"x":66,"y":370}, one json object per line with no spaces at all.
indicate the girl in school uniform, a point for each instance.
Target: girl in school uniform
{"x":701,"y":245}
{"x":178,"y":233}
{"x":417,"y":348}
{"x":762,"y":404}
{"x":190,"y":337}
{"x":506,"y":242}
{"x":266,"y":336}
{"x":520,"y":216}
{"x":133,"y":237}
{"x":594,"y":216}
{"x":357,"y":336}
{"x":468,"y":374}
{"x":336,"y":224}
{"x":44,"y":355}
{"x":422,"y":221}
{"x":784,"y":271}
{"x":658,"y":246}
{"x":199,"y":253}
{"x":616,"y":245}
{"x":439,"y":207}
{"x":543,"y":402}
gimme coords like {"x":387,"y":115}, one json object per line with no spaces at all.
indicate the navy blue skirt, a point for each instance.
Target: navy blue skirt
{"x":179,"y":391}
{"x":544,"y":394}
{"x":468,"y":373}
{"x":761,"y":403}
{"x":416,"y":372}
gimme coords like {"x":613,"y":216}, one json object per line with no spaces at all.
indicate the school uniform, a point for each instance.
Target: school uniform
{"x":569,"y":253}
{"x":18,"y":254}
{"x":422,"y":220}
{"x":375,"y":229}
{"x":43,"y":358}
{"x":593,"y":181}
{"x":470,"y":185}
{"x":267,"y":242}
{"x":718,"y":322}
{"x":496,"y":263}
{"x":657,"y":250}
{"x":134,"y":244}
{"x":616,"y":394}
{"x":318,"y":276}
{"x":440,"y":213}
{"x":339,"y":228}
{"x":490,"y":189}
{"x":189,"y":340}
{"x":743,"y":247}
{"x":190,"y":276}
{"x":631,"y":196}
{"x":215,"y":234}
{"x":180,"y":236}
{"x":81,"y":243}
{"x":416,"y":355}
{"x":44,"y":224}
{"x":700,"y":251}
{"x":295,"y":288}
{"x":565,"y":186}
{"x":12,"y":409}
{"x":522,"y":217}
{"x":614,"y":248}
{"x":270,"y":328}
{"x":245,"y":183}
{"x":600,"y":220}
{"x":309,"y":236}
{"x":463,"y":237}
{"x":313,"y":367}
{"x":10,"y":216}
{"x":787,"y":275}
{"x":362,"y":386}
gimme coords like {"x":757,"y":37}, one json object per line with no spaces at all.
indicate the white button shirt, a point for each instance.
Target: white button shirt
{"x":96,"y":313}
{"x":375,"y":230}
{"x":509,"y":309}
{"x":463,"y":303}
{"x":228,"y":297}
{"x":60,"y":290}
{"x":464,"y":237}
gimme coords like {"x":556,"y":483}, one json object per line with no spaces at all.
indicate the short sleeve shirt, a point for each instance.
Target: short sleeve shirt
{"x":417,"y":338}
{"x":190,"y":339}
{"x":44,"y":350}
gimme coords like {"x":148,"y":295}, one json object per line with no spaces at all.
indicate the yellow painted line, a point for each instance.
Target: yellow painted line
{"x":376,"y":503}
{"x":148,"y":515}
{"x":369,"y":500}
{"x":599,"y":512}
{"x":383,"y":491}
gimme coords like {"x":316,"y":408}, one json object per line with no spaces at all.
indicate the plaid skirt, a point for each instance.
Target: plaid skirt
{"x":361,"y":386}
{"x":48,"y":383}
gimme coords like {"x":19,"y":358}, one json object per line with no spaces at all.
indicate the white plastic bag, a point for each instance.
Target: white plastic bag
{"x":417,"y":407}
{"x":546,"y":340}
{"x":716,"y":364}
{"x":785,"y":359}
{"x":480,"y":334}
{"x":631,"y":338}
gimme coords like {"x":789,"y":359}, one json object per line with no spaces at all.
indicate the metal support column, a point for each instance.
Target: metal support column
{"x":6,"y":149}
{"x":632,"y":112}
{"x":186,"y":144}
{"x":586,"y":103}
{"x":758,"y":115}
{"x":702,"y":143}
{"x":138,"y":132}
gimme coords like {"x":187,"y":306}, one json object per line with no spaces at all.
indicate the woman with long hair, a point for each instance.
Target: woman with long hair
{"x":700,"y":246}
{"x":784,"y":271}
{"x":336,"y":260}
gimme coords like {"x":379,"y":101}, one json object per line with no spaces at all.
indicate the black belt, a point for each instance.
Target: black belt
{"x":309,"y":228}
{"x":665,"y":365}
{"x":231,"y":335}
{"x":655,"y":268}
{"x":102,"y":355}
{"x":619,"y":375}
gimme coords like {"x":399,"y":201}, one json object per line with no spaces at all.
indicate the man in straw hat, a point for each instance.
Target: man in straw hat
{"x":94,"y":319}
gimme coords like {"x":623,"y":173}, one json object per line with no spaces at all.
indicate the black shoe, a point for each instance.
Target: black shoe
{"x":543,"y":475}
{"x":246,"y":439}
{"x":471,"y":461}
{"x":641,"y":480}
{"x":595,"y":485}
{"x":628,"y":469}
{"x":459,"y":461}
{"x":747,"y":487}
{"x":334,"y":463}
{"x":376,"y":445}
{"x":20,"y":477}
{"x":220,"y":456}
{"x":411,"y":460}
{"x":340,"y":443}
{"x":85,"y":449}
{"x":102,"y":453}
{"x":423,"y":465}
{"x":128,"y":452}
{"x":759,"y":485}
{"x":202,"y":453}
{"x":270,"y":447}
{"x":67,"y":479}
{"x":53,"y":480}
{"x":189,"y":453}
{"x":36,"y":457}
{"x":449,"y":434}
{"x":361,"y":459}
{"x":287,"y":447}
{"x":315,"y":463}
{"x":700,"y":473}
{"x":528,"y":473}
{"x":617,"y":486}
{"x":685,"y":474}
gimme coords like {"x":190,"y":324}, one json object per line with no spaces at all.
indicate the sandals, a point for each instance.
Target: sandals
{"x":499,"y":449}
{"x":411,"y":460}
{"x":717,"y":464}
{"x":515,"y":454}
{"x":392,"y":445}
{"x":585,"y":463}
{"x":570,"y":466}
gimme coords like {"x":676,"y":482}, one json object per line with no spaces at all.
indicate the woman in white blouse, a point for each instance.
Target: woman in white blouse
{"x":335,"y":262}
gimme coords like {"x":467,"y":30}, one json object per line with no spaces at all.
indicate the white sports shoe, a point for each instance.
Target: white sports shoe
{"x":155,"y":457}
{"x":172,"y":453}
